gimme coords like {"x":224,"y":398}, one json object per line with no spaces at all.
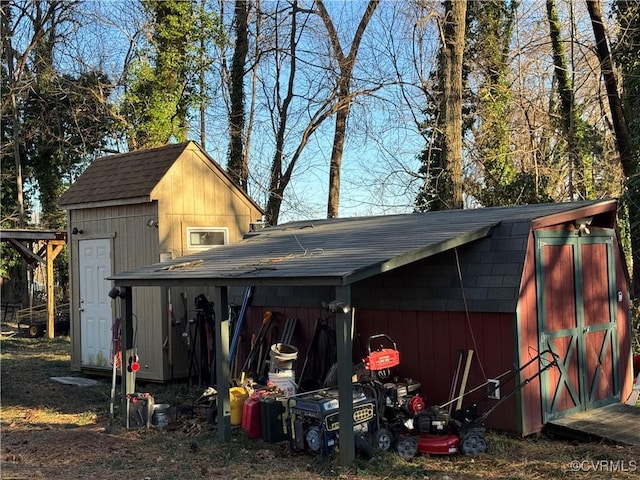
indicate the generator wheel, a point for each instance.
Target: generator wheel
{"x":36,"y":331}
{"x":473,"y":444}
{"x":407,"y":447}
{"x":383,"y":440}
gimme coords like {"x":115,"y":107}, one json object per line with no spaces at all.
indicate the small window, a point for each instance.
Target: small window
{"x":200,"y":238}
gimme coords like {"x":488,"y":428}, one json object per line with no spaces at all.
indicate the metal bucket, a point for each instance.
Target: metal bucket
{"x":161,"y":415}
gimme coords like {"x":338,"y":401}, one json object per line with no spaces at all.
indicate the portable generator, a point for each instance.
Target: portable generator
{"x":314,"y":418}
{"x":400,"y":400}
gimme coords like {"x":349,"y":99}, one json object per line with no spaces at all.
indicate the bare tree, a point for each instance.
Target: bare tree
{"x":8,"y":56}
{"x":237,"y":164}
{"x":343,"y":86}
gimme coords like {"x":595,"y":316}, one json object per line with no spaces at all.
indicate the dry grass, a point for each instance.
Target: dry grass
{"x":55,"y":431}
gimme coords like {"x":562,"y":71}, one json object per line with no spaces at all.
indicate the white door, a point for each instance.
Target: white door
{"x":95,"y":304}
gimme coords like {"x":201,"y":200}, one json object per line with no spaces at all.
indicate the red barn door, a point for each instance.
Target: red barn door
{"x":575,"y":284}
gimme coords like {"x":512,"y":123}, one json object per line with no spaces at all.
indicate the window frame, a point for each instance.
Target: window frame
{"x":191,"y":230}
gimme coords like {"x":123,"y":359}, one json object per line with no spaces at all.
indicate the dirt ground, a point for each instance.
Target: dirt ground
{"x":56,"y":431}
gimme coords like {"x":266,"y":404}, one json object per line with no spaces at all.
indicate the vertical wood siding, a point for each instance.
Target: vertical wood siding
{"x":625,"y":362}
{"x":194,"y":193}
{"x":529,"y":401}
{"x":429,"y":343}
{"x":599,"y":348}
{"x":133,"y":244}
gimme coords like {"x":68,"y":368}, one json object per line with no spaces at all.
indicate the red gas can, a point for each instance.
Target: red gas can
{"x":251,"y":421}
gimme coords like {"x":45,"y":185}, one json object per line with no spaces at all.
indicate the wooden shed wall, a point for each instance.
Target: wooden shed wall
{"x":529,"y":400}
{"x":429,"y":343}
{"x":195,"y":193}
{"x":625,"y":332}
{"x":133,"y":244}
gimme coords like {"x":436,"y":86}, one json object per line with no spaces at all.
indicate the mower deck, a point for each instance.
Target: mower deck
{"x":438,"y":444}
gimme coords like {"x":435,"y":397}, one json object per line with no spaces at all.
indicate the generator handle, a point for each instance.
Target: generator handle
{"x":379,"y":335}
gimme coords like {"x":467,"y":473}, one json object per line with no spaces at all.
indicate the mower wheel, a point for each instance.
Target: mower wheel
{"x":407,"y":447}
{"x":473,"y":444}
{"x":383,"y":439}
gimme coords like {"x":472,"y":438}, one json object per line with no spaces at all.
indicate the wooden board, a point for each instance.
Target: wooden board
{"x":617,"y":423}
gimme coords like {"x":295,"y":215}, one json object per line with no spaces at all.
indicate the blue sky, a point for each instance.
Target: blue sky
{"x":382,"y":141}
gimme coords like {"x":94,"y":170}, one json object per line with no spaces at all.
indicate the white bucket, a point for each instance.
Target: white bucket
{"x":285,"y":381}
{"x":282,"y":357}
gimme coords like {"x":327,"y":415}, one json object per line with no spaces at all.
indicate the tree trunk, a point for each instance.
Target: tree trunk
{"x":279,"y":181}
{"x":203,"y":86}
{"x":345,"y":64}
{"x":567,"y":106}
{"x":8,"y":51}
{"x":621,"y":129}
{"x":237,"y":167}
{"x":617,"y":114}
{"x":335,"y":166}
{"x":453,"y":49}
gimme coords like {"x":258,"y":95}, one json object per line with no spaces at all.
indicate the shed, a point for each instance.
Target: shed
{"x":37,"y":248}
{"x":506,"y":282}
{"x":133,"y":209}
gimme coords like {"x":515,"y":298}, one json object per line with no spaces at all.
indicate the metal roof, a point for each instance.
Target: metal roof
{"x":338,"y":251}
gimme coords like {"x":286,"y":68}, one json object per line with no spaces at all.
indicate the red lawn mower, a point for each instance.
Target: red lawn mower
{"x":439,"y":433}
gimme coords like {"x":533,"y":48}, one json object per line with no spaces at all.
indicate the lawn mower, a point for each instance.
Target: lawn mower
{"x":463,"y":431}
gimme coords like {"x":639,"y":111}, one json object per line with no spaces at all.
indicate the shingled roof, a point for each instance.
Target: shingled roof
{"x":345,"y":250}
{"x":125,"y":177}
{"x":122,"y":176}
